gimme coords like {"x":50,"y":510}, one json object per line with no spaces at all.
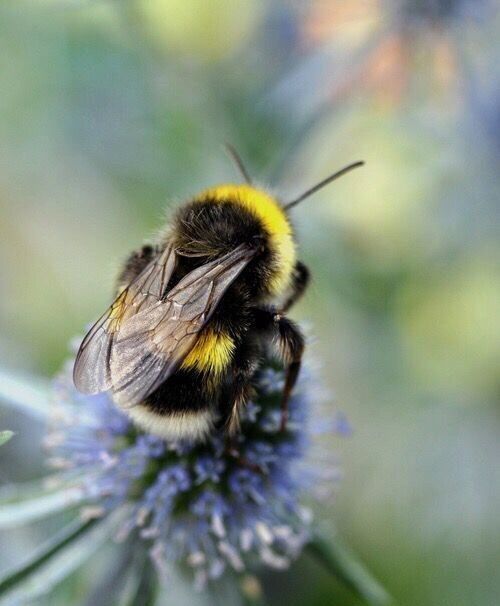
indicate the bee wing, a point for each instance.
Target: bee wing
{"x":151,"y":344}
{"x":92,"y":369}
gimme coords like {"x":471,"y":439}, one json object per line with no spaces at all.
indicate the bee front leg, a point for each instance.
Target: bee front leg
{"x":135,"y":263}
{"x":289,"y":343}
{"x":300,"y":280}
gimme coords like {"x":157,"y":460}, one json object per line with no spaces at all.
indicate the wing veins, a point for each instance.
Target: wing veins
{"x":167,"y":330}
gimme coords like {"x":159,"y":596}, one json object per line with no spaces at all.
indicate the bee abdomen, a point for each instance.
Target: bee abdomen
{"x":185,"y":406}
{"x":212,"y":353}
{"x":175,"y":425}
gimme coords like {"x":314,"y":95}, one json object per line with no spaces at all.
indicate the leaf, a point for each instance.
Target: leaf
{"x":113,"y":581}
{"x":42,"y":555}
{"x":147,"y":588}
{"x":132,"y":580}
{"x":56,"y":560}
{"x":33,"y":488}
{"x":341,"y":562}
{"x":131,"y":583}
{"x":17,"y":513}
{"x":28,"y":394}
{"x":5,"y":436}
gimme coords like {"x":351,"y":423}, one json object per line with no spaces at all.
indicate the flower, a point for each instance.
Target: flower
{"x":195,"y":508}
{"x":198,"y":505}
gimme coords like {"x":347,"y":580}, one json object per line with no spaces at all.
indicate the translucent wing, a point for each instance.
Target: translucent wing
{"x":92,"y":370}
{"x":151,"y":344}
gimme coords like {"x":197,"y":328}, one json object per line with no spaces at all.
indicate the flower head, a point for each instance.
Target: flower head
{"x":200,"y":506}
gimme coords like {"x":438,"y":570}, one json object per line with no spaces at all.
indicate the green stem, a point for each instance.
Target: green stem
{"x":45,"y":553}
{"x":338,"y":559}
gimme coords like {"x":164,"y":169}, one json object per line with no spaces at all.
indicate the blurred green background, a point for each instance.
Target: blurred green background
{"x":113,"y":111}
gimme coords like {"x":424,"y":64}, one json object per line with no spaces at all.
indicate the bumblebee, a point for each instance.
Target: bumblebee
{"x":196,"y":311}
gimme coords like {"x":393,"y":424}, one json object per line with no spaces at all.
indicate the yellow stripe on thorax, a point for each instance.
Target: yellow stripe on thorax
{"x":274,"y":220}
{"x":212,"y":353}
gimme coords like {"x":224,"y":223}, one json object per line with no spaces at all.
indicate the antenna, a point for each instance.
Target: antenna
{"x":322,"y":184}
{"x":235,"y":157}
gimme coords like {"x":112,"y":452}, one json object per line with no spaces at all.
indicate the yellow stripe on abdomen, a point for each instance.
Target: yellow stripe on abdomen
{"x":212,"y":353}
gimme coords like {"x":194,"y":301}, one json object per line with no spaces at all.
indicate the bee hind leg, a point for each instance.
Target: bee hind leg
{"x":289,"y":342}
{"x":291,"y":349}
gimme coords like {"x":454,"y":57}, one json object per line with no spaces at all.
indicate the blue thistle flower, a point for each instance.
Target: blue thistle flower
{"x":183,"y":506}
{"x":196,"y":505}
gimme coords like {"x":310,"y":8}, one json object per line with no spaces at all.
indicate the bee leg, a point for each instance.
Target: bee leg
{"x":237,"y":395}
{"x":231,"y":446}
{"x":135,"y":263}
{"x":300,"y":281}
{"x":233,"y":450}
{"x":290,"y":347}
{"x":240,"y":389}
